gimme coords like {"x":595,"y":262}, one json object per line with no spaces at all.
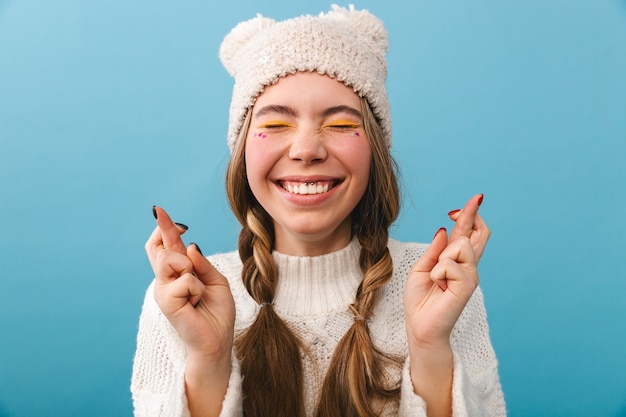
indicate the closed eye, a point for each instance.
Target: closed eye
{"x":275,"y":124}
{"x":342,"y":125}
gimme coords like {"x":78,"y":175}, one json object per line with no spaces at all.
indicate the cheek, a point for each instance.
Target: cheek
{"x":358,"y":157}
{"x":259,"y":162}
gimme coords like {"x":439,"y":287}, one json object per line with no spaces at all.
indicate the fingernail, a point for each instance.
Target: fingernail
{"x":198,"y":248}
{"x":480,"y":200}
{"x":154,"y":212}
{"x":453,"y":212}
{"x":439,"y":230}
{"x":182,"y":226}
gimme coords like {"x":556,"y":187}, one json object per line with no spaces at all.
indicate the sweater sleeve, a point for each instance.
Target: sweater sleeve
{"x":158,"y":378}
{"x":476,"y":389}
{"x":411,"y":404}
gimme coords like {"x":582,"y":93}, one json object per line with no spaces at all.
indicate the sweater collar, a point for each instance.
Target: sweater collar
{"x":317,"y":285}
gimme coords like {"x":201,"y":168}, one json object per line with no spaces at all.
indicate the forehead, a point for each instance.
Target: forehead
{"x":308,"y":89}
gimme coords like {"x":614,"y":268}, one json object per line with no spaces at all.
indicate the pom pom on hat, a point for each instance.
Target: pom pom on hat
{"x":346,"y":44}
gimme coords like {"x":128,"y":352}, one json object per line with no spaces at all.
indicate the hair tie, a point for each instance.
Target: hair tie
{"x":357,"y":315}
{"x":265,"y":304}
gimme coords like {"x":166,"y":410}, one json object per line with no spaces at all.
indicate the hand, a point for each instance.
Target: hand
{"x":438,"y":287}
{"x":191,"y":293}
{"x":441,"y":282}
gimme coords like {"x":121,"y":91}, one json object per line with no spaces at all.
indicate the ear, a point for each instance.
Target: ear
{"x":238,"y":37}
{"x":367,"y":27}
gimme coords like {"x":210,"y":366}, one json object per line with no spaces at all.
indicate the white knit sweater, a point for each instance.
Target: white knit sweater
{"x":313,"y":295}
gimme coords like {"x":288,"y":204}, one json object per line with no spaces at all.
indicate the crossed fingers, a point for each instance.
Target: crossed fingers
{"x":468,"y":223}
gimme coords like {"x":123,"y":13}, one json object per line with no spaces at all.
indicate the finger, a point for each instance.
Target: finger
{"x":456,"y":261}
{"x":155,"y":241}
{"x":182,"y":228}
{"x":170,"y":232}
{"x":204,"y":270}
{"x":465,"y":220}
{"x":171,"y":265}
{"x":459,"y":251}
{"x":460,"y":280}
{"x":480,"y":236}
{"x":480,"y":233}
{"x":430,"y":258}
{"x":174,"y":296}
{"x":153,"y":245}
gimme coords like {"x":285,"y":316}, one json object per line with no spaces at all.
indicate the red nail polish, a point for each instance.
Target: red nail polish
{"x":453,"y":212}
{"x":480,"y":200}
{"x":439,"y":230}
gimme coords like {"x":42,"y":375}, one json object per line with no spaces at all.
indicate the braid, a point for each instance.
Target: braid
{"x":268,"y":351}
{"x":357,"y":384}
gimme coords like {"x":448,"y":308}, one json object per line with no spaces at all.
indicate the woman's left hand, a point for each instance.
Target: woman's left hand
{"x":438,"y":287}
{"x":441,"y":282}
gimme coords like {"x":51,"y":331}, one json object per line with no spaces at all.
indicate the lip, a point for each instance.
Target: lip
{"x":308,"y":199}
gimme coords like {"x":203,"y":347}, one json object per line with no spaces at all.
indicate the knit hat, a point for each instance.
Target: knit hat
{"x":346,"y":44}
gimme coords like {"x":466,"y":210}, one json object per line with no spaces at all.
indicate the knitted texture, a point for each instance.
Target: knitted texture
{"x":313,"y":295}
{"x":345,"y":44}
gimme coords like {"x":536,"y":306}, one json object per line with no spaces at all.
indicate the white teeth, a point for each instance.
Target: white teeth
{"x":307,"y":188}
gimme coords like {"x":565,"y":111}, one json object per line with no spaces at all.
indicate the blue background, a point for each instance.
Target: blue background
{"x":109,"y":107}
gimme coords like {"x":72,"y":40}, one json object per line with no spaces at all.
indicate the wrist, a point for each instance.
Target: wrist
{"x":431,"y":370}
{"x":201,"y":369}
{"x":206,"y":384}
{"x":431,"y":355}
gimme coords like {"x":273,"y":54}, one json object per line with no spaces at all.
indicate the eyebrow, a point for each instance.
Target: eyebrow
{"x":290,"y":111}
{"x":342,"y":109}
{"x":275,"y":108}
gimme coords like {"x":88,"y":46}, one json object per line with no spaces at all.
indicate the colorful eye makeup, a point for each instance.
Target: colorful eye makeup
{"x":338,"y":126}
{"x":342,"y":124}
{"x":275,"y":124}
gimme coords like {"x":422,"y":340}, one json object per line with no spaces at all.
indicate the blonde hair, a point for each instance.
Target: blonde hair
{"x":356,"y":383}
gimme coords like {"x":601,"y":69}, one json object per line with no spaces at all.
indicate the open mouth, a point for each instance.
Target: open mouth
{"x":313,"y":187}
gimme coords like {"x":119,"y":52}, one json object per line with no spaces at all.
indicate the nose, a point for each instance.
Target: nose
{"x":307,"y":146}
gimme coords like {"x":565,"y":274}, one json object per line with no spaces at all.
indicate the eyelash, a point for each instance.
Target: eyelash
{"x":338,"y":126}
{"x":343,"y":126}
{"x":275,"y":125}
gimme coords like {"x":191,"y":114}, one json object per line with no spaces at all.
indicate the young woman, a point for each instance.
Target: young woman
{"x":319,"y":313}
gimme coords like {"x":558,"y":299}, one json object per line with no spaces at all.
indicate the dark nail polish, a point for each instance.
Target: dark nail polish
{"x":439,"y":230}
{"x":453,"y":212}
{"x":182,"y":226}
{"x":480,"y":200}
{"x":198,"y":248}
{"x":154,"y":213}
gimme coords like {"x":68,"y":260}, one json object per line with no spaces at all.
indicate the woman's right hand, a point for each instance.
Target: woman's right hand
{"x":191,"y":293}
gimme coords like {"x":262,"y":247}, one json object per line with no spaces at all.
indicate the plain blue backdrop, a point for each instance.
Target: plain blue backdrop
{"x":109,"y":107}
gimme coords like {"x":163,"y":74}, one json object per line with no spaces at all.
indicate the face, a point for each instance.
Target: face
{"x":308,"y":161}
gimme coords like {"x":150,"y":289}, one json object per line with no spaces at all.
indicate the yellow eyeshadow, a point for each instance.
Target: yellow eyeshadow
{"x":276,"y":123}
{"x":343,"y":123}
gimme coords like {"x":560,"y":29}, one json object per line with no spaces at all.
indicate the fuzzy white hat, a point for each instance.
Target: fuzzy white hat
{"x":346,"y":44}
